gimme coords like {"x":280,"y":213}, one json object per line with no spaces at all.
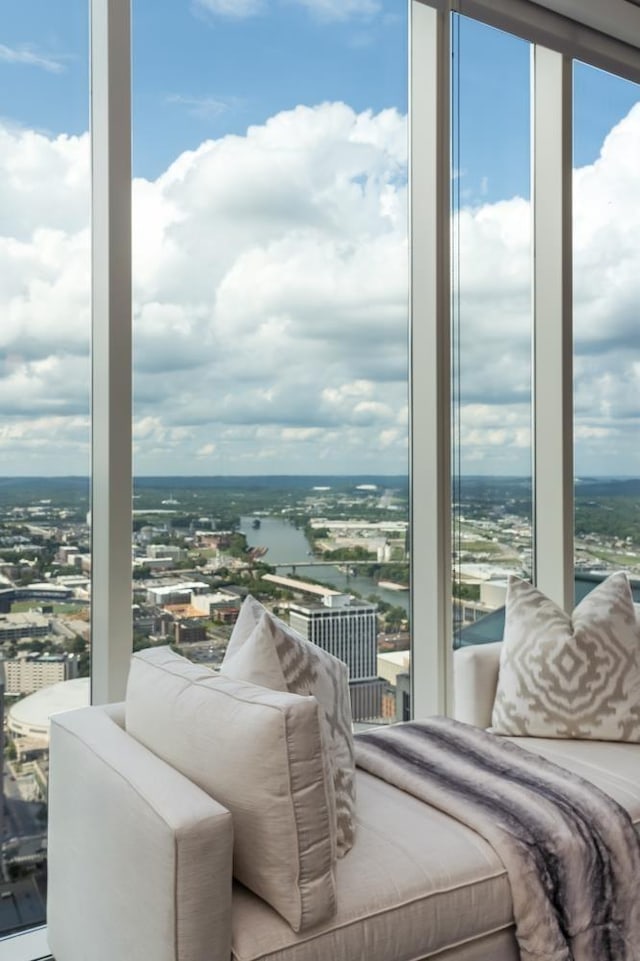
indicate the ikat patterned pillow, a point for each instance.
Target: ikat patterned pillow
{"x":570,"y":677}
{"x":266,"y":651}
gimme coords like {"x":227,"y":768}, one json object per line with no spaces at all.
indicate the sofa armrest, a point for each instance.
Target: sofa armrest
{"x":116,"y":712}
{"x":475,"y":680}
{"x":139,"y":856}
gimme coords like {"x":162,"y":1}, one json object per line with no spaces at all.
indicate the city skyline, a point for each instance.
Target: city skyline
{"x":270,"y":247}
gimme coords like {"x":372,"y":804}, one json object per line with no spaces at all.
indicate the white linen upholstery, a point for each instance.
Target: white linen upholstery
{"x":259,"y":752}
{"x":475,"y":680}
{"x":612,"y":766}
{"x":139,"y":857}
{"x":265,"y":650}
{"x":414,"y":882}
{"x":570,"y":676}
{"x":416,"y":885}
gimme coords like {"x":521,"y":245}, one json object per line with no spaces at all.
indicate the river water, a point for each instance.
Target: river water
{"x":288,"y":545}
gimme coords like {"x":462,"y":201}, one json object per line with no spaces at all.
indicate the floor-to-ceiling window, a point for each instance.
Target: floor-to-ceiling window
{"x":270,"y":324}
{"x":45,"y":555}
{"x":501,"y":308}
{"x":491,"y":243}
{"x":298,"y":328}
{"x":606,"y":281}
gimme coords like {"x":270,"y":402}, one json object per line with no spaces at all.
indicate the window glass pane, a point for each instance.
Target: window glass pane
{"x":491,"y":316}
{"x":44,"y":421}
{"x":606,"y":280}
{"x":270,"y":326}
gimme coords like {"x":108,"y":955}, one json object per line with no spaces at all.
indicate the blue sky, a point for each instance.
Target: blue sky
{"x":491,"y":73}
{"x":199,"y":75}
{"x":270,"y":230}
{"x":44,"y":64}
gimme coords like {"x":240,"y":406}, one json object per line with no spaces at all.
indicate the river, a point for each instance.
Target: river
{"x":286,"y":544}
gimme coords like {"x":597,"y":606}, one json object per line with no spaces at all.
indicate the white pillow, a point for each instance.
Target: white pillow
{"x":259,"y":753}
{"x":265,"y":650}
{"x":570,"y":677}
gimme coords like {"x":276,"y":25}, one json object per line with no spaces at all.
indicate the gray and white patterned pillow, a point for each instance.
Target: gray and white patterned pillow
{"x":266,"y":651}
{"x":570,"y":676}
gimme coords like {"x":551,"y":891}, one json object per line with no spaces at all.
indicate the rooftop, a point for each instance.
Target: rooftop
{"x":31,"y":715}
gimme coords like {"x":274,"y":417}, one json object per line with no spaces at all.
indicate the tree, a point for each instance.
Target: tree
{"x":466,"y":592}
{"x":78,"y":645}
{"x":84,"y":665}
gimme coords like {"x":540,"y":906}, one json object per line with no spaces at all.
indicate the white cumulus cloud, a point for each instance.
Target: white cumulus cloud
{"x":28,"y":56}
{"x":340,"y":9}
{"x":271,"y":307}
{"x":236,"y":9}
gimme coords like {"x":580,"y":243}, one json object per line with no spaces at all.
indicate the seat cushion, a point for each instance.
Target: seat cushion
{"x":259,"y":753}
{"x":415,"y":882}
{"x":418,"y":884}
{"x":612,"y":766}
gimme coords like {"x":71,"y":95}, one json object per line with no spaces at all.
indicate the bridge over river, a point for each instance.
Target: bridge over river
{"x":310,"y":562}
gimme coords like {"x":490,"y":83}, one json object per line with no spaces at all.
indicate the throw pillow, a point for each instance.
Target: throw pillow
{"x":259,"y":753}
{"x":570,"y":677}
{"x":265,"y":650}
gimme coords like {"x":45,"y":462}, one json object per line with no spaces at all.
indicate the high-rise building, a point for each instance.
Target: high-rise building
{"x":2,"y":801}
{"x":344,"y":628}
{"x":347,"y":629}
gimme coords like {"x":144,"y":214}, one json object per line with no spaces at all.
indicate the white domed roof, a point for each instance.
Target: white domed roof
{"x":30,"y":716}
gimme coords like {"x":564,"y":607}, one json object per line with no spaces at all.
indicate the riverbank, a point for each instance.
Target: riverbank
{"x":288,"y":552}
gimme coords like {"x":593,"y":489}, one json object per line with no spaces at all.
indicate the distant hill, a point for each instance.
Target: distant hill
{"x":590,"y":487}
{"x":488,"y":488}
{"x":274,"y":481}
{"x":61,"y":491}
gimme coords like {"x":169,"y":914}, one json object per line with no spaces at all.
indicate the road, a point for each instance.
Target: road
{"x":21,"y":818}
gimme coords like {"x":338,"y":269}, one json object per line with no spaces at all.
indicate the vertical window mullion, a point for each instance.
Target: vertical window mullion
{"x":111,"y":458}
{"x":552,"y":347}
{"x":430,"y":471}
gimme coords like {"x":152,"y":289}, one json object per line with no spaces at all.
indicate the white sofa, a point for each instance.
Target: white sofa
{"x":140,"y":859}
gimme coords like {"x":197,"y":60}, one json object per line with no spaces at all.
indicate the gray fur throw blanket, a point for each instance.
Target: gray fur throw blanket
{"x":570,"y":851}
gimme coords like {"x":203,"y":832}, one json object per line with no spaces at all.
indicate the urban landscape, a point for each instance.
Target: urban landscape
{"x":329,"y":555}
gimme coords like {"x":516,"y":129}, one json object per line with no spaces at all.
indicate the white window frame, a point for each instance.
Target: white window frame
{"x":552,"y":402}
{"x":430,"y":390}
{"x":111,"y":415}
{"x":111,"y":392}
{"x":30,"y":946}
{"x":557,"y":39}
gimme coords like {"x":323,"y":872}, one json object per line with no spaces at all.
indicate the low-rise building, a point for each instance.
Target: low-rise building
{"x":15,"y":627}
{"x":210,"y":604}
{"x":67,"y":554}
{"x":392,"y":663}
{"x":32,"y":672}
{"x":175,"y":593}
{"x":169,"y":551}
{"x":155,"y":563}
{"x":189,"y":631}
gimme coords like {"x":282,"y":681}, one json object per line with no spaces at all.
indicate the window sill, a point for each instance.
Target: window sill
{"x":31,"y":946}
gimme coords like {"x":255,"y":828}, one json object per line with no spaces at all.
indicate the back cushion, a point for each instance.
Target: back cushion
{"x":259,"y":753}
{"x":570,"y":676}
{"x":265,"y":650}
